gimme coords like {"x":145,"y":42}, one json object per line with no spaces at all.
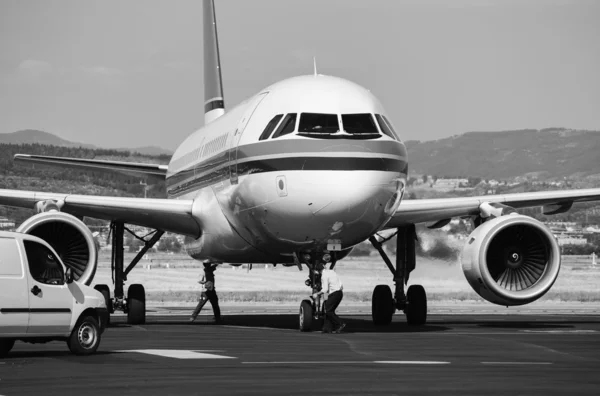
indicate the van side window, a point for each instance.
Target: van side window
{"x":270,"y":126}
{"x":288,"y":125}
{"x":43,"y":264}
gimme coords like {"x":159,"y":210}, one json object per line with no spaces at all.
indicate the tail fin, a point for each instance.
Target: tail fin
{"x":214,"y":104}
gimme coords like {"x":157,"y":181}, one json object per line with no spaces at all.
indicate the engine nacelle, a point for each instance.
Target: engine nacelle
{"x":511,"y":260}
{"x":71,"y":239}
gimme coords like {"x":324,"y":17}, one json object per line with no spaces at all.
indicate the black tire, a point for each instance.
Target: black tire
{"x":416,"y":305}
{"x":6,"y":345}
{"x":382,"y":305}
{"x":85,"y":337}
{"x":136,"y":304}
{"x":106,"y":293}
{"x":306,"y":315}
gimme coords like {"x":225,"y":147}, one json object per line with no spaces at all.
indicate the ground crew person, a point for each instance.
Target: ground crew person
{"x":331,"y":287}
{"x":208,"y":293}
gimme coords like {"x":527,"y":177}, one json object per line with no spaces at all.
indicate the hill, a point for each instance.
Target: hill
{"x":33,"y":136}
{"x":550,"y":153}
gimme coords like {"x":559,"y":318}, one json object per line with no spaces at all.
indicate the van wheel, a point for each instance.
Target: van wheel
{"x":85,"y":337}
{"x":5,"y":346}
{"x":136,"y":304}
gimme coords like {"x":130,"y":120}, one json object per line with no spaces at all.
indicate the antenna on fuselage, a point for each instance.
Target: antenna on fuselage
{"x":315,"y":64}
{"x":214,"y":103}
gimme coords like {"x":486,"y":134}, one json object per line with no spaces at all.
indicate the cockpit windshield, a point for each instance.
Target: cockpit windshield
{"x":386,"y":126}
{"x":359,"y":124}
{"x":288,"y":125}
{"x":318,"y":123}
{"x":330,"y":126}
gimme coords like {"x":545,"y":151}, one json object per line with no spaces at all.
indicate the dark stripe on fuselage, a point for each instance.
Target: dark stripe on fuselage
{"x":256,"y":156}
{"x":214,"y":104}
{"x":290,"y":164}
{"x":320,"y":146}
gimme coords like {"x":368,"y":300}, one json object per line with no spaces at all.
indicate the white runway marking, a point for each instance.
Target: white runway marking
{"x":313,"y":362}
{"x":351,"y":362}
{"x":517,"y":363}
{"x":409,"y":362}
{"x":561,"y":331}
{"x":177,"y":353}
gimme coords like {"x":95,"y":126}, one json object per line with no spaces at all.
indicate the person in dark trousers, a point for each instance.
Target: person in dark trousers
{"x":208,"y":293}
{"x":332,"y":288}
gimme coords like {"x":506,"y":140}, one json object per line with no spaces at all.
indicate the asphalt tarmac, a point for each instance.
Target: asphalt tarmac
{"x":487,"y":354}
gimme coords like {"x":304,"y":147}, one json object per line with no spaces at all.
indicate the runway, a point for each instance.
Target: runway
{"x":265,"y":354}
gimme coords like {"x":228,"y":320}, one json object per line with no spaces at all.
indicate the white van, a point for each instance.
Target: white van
{"x":40,"y":302}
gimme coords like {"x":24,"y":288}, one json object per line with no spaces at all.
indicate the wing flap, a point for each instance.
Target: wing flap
{"x":164,"y":214}
{"x":433,"y":210}
{"x":126,"y":168}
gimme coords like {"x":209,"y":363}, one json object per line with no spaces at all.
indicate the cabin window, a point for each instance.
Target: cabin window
{"x":386,"y":126}
{"x":359,"y":124}
{"x":288,"y":125}
{"x":270,"y":127}
{"x":318,"y":123}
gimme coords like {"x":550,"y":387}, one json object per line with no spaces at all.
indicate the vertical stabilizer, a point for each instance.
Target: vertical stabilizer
{"x":214,"y":104}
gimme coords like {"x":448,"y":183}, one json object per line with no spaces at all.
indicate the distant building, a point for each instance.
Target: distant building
{"x":570,"y":240}
{"x":6,"y":223}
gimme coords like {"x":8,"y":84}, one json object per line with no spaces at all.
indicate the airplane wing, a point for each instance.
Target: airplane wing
{"x":171,"y":215}
{"x":153,"y":171}
{"x":442,"y":210}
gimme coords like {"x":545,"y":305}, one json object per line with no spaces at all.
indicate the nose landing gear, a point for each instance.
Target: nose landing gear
{"x":312,"y":311}
{"x":414,"y":302}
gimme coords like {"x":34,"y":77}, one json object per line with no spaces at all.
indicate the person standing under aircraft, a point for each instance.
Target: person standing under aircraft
{"x":332,"y":288}
{"x":208,"y":293}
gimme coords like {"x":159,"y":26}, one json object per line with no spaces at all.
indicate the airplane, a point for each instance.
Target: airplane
{"x":297,"y":175}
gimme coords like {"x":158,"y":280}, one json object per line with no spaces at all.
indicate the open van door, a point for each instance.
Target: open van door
{"x":50,"y":300}
{"x":14,"y":299}
{"x":233,"y":176}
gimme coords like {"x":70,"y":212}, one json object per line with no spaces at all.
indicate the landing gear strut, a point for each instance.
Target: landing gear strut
{"x":135,"y":303}
{"x":414,"y":302}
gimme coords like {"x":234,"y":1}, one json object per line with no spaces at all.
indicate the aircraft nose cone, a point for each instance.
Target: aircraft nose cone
{"x":346,"y":207}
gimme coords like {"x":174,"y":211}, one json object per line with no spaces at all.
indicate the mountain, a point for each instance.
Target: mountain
{"x":32,"y":136}
{"x":551,"y":153}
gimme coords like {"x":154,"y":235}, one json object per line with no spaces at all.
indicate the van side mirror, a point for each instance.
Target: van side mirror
{"x":69,"y":275}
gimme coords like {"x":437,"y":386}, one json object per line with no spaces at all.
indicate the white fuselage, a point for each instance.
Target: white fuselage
{"x":262,"y":200}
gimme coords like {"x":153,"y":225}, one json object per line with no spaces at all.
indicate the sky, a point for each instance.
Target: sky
{"x":128,"y":73}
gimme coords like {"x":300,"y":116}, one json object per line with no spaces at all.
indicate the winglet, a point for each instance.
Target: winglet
{"x":214,"y":104}
{"x":315,"y":64}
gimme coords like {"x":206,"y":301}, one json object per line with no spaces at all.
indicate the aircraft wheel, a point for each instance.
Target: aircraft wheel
{"x":136,"y":304}
{"x":85,"y":337}
{"x":416,"y":305}
{"x":306,"y":315}
{"x":382,"y":305}
{"x":5,"y":346}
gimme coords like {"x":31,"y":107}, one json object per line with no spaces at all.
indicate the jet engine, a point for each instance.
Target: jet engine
{"x":511,"y":260}
{"x":71,"y":239}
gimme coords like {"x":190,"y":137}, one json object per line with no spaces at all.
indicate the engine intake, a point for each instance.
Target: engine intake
{"x":511,"y":260}
{"x":71,"y":239}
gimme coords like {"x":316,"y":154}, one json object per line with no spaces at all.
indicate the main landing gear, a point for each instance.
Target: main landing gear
{"x":312,"y":311}
{"x":414,"y":302}
{"x":135,"y":303}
